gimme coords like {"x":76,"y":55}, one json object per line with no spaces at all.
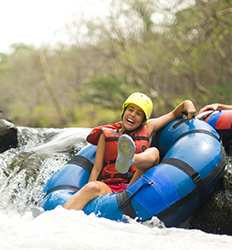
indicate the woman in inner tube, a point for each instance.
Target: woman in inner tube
{"x":123,"y":151}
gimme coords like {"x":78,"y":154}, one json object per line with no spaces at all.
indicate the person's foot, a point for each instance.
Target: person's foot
{"x":126,"y":150}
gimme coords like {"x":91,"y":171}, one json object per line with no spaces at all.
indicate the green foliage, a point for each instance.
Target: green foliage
{"x":106,"y":91}
{"x":85,"y":84}
{"x":90,"y":115}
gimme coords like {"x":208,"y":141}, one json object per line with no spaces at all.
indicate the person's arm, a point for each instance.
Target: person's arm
{"x":98,"y":164}
{"x":215,"y":106}
{"x":224,"y":106}
{"x":184,"y":107}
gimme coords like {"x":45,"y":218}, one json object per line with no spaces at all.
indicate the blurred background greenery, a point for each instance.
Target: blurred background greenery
{"x":187,"y":54}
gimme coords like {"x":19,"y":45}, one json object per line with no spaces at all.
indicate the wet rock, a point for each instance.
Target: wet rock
{"x":226,"y":136}
{"x":216,"y":215}
{"x":8,"y":135}
{"x":48,"y":143}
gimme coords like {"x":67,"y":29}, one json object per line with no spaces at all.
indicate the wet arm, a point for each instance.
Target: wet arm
{"x":224,"y":106}
{"x":186,"y":106}
{"x":215,"y":106}
{"x":98,"y":164}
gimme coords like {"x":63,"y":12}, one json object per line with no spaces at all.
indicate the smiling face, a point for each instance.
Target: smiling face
{"x":133,"y":117}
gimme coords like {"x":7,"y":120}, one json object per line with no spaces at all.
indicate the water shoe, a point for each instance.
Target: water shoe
{"x":126,"y":150}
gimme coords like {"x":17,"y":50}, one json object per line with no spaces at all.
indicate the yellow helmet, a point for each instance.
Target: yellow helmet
{"x":142,"y":101}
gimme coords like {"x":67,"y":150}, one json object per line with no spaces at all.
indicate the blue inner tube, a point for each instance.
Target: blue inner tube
{"x":191,"y":166}
{"x":222,"y":122}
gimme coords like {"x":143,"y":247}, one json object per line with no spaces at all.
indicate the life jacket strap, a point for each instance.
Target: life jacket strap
{"x":108,"y":162}
{"x":140,"y":138}
{"x":127,"y":175}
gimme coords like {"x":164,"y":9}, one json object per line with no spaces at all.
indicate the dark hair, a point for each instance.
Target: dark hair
{"x":144,"y":116}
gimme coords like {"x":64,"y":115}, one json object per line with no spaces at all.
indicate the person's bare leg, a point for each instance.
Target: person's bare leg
{"x":146,"y":159}
{"x":136,"y":175}
{"x":86,"y":194}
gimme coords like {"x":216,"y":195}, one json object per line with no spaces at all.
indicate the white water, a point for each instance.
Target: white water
{"x":73,"y":230}
{"x":61,"y":229}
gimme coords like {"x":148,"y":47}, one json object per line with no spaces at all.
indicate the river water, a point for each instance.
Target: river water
{"x":24,"y":170}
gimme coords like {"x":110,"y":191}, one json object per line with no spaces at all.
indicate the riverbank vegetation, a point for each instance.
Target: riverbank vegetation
{"x":186,"y":55}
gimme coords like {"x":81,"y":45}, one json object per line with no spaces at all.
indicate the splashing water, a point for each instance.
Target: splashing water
{"x":24,"y":170}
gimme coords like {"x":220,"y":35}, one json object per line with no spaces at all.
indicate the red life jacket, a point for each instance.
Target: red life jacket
{"x":117,"y":181}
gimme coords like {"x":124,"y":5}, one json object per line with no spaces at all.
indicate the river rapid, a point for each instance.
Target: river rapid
{"x":25,"y":169}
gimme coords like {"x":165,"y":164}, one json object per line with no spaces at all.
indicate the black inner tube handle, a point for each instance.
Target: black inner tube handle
{"x":183,"y":118}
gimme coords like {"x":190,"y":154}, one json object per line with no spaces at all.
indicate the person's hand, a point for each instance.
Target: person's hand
{"x":189,"y":110}
{"x":213,"y":107}
{"x":185,"y":108}
{"x":191,"y":114}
